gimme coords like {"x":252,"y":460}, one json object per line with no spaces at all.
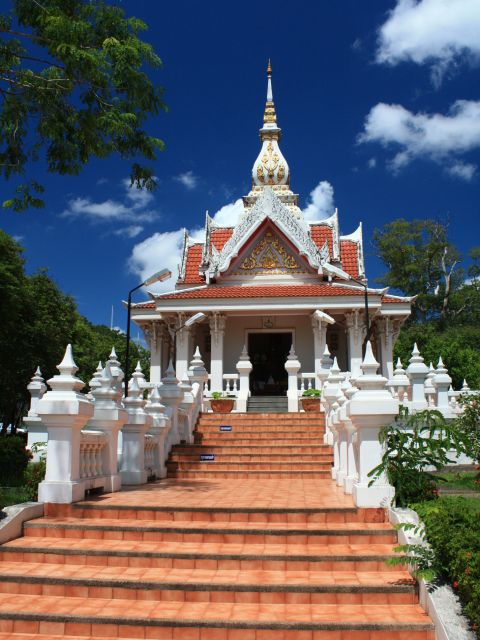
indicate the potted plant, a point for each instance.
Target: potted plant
{"x":221,"y":403}
{"x":311,"y":400}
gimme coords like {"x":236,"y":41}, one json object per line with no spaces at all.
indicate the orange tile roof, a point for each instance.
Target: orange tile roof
{"x":320,"y":233}
{"x":264,"y":291}
{"x":349,"y":257}
{"x":194,"y":257}
{"x":220,"y":237}
{"x":391,"y":299}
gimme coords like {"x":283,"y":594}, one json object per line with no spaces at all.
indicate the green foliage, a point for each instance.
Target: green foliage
{"x":420,"y":261}
{"x":418,"y":557}
{"x":462,"y":479}
{"x":411,"y":445}
{"x":452,"y":527}
{"x":44,"y":320}
{"x":458,"y":345}
{"x":311,"y":393}
{"x":12,"y":495}
{"x":217,"y":395}
{"x":468,"y":423}
{"x":73,"y":85}
{"x":34,"y":474}
{"x":14,"y":459}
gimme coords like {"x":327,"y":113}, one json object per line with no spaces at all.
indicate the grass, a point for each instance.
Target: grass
{"x":461,"y":480}
{"x":12,"y":495}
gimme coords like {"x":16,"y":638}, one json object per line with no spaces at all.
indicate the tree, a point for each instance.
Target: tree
{"x":73,"y":86}
{"x":43,"y":320}
{"x":421,"y":261}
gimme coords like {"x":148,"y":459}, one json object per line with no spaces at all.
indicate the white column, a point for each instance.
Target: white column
{"x":292,"y":367}
{"x":155,"y":335}
{"x":182,"y":348}
{"x":355,"y":332}
{"x":138,"y":422}
{"x":320,"y":322}
{"x":417,"y":371}
{"x":244,"y":367}
{"x":217,"y":332}
{"x":442,"y":382}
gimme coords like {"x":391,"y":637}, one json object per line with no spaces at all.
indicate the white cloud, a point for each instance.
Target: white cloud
{"x":229,"y":214}
{"x":437,"y":137}
{"x":131,"y":208}
{"x":436,"y":32}
{"x":372,"y":163}
{"x":132,"y":231}
{"x":320,"y":203}
{"x":160,"y":251}
{"x":188,"y":179}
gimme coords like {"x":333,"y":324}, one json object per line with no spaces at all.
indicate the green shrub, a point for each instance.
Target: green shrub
{"x":14,"y":459}
{"x":412,"y":444}
{"x":311,"y":393}
{"x":452,"y":526}
{"x":34,"y":474}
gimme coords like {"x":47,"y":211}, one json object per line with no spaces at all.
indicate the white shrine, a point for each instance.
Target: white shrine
{"x":272,"y":281}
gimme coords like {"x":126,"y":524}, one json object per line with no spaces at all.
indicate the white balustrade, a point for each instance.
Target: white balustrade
{"x":149,"y":453}
{"x":92,"y":445}
{"x":306,"y":381}
{"x":230,"y":383}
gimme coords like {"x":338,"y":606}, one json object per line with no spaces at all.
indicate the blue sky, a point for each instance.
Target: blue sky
{"x":379,"y":104}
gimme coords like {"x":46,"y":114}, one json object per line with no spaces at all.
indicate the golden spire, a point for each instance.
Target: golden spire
{"x":269,"y":116}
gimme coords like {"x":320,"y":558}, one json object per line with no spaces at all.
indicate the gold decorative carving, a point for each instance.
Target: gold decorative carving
{"x":269,"y":256}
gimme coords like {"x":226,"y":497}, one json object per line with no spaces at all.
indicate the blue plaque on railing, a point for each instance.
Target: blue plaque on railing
{"x":226,"y":427}
{"x":207,"y":457}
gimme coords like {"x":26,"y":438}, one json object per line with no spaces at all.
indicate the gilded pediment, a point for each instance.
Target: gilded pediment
{"x":269,"y":256}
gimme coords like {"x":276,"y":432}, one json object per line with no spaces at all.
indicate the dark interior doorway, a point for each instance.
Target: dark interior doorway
{"x":268,"y":353}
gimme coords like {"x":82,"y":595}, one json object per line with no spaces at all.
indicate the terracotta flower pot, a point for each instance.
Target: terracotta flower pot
{"x":311,"y":404}
{"x":224,"y":405}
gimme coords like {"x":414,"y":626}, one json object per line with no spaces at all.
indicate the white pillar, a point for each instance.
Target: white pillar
{"x":37,"y":431}
{"x":217,"y":332}
{"x":159,"y":430}
{"x":371,"y":408}
{"x":133,"y":445}
{"x":292,"y":367}
{"x":417,"y":371}
{"x":65,"y":412}
{"x":442,"y":382}
{"x":155,"y":334}
{"x":355,"y":333}
{"x":244,"y":367}
{"x":182,"y":350}
{"x":320,"y":321}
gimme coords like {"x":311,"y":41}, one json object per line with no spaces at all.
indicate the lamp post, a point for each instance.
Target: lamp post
{"x":159,"y":276}
{"x":197,"y":317}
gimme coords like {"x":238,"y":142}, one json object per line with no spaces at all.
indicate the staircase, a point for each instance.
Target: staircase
{"x":214,"y":554}
{"x":267,"y":404}
{"x":239,"y":445}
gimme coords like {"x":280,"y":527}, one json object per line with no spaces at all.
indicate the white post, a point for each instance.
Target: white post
{"x":330,"y":392}
{"x":430,"y":391}
{"x":244,"y":367}
{"x":355,"y":332}
{"x":37,"y":431}
{"x":326,"y":364}
{"x":159,"y":430}
{"x":64,"y":411}
{"x":292,"y":367}
{"x":217,"y":333}
{"x":442,"y":382}
{"x":320,"y":321}
{"x":171,"y":396}
{"x":182,"y":349}
{"x":155,"y":334}
{"x":371,"y":408}
{"x":138,"y":423}
{"x":186,"y":410}
{"x":399,"y":383}
{"x":417,"y":372}
{"x":349,"y":390}
{"x":109,"y":416}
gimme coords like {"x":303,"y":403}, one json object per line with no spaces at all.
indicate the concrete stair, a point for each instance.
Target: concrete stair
{"x":208,"y":559}
{"x":267,"y":404}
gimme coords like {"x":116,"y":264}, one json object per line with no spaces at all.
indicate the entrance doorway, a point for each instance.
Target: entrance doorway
{"x":268,"y":353}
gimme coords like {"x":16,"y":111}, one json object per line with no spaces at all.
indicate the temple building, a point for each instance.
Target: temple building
{"x":271,"y":281}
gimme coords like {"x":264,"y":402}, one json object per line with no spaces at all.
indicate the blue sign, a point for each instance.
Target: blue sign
{"x":226,"y":427}
{"x":205,"y":457}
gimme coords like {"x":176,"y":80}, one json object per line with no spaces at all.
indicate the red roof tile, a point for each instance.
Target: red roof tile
{"x":349,"y":257}
{"x":220,"y":237}
{"x":320,"y":233}
{"x":144,"y":305}
{"x":194,"y":257}
{"x":391,"y":299}
{"x":271,"y":291}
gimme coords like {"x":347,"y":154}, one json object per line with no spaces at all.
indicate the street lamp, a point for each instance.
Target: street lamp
{"x":197,"y":317}
{"x":159,"y":276}
{"x":335,"y":271}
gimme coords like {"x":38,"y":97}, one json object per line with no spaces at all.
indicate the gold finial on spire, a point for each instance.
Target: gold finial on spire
{"x":269,"y":116}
